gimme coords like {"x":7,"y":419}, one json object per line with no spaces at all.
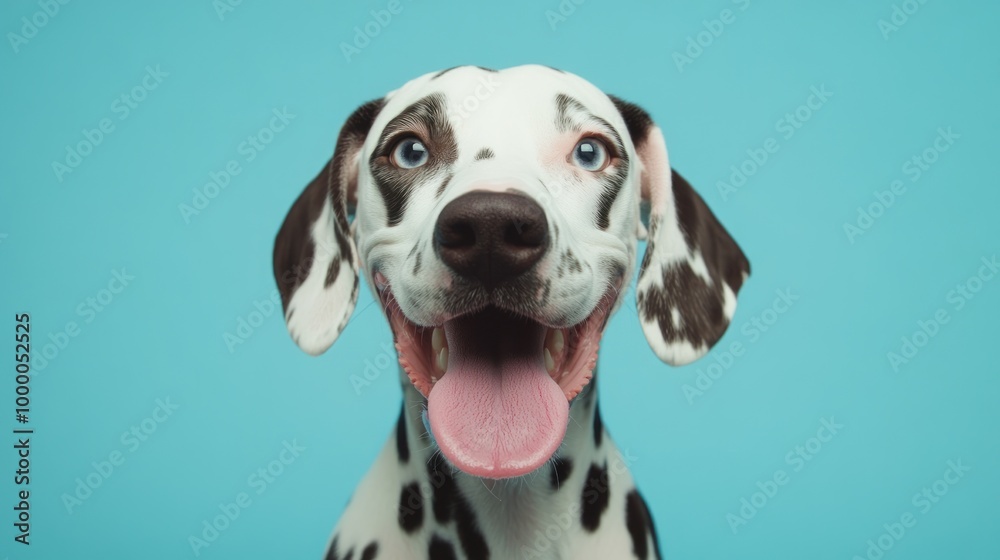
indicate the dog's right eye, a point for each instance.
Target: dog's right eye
{"x":409,"y":153}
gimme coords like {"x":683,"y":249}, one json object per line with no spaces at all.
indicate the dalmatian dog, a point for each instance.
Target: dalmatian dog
{"x":495,"y":215}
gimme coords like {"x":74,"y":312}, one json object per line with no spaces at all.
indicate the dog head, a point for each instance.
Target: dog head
{"x":496,"y":217}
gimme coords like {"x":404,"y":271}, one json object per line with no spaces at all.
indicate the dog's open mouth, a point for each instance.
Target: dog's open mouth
{"x":498,"y":384}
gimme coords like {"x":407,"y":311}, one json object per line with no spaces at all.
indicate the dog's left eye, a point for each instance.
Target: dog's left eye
{"x":590,"y":154}
{"x":409,"y":153}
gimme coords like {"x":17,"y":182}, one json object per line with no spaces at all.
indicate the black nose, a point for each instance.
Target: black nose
{"x":491,"y":237}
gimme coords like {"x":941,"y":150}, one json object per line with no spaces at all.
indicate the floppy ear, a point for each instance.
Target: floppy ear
{"x":315,"y":260}
{"x":692,"y":269}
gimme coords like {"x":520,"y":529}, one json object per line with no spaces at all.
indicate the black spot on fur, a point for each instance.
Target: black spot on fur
{"x":370,"y":551}
{"x":443,"y":487}
{"x":611,"y":185}
{"x":564,"y":106}
{"x":450,"y":504}
{"x":485,"y":153}
{"x":416,"y":264}
{"x":332,"y":554}
{"x":640,"y":524}
{"x":473,"y":542}
{"x":595,"y":497}
{"x":444,"y":185}
{"x":561,"y":469}
{"x":411,"y":508}
{"x":440,"y":549}
{"x":402,"y":444}
{"x":598,"y":426}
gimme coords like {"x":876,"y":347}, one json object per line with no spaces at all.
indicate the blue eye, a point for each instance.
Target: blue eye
{"x":409,"y":153}
{"x":590,"y":154}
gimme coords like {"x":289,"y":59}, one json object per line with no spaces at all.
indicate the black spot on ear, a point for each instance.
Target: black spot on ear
{"x":440,"y":549}
{"x":350,"y":554}
{"x":484,"y":153}
{"x":640,"y":524}
{"x":598,"y":426}
{"x":561,"y":469}
{"x":703,"y":319}
{"x":370,"y":551}
{"x":637,"y":120}
{"x":294,"y":250}
{"x":332,"y":272}
{"x":702,"y":230}
{"x":411,"y":508}
{"x":402,"y":444}
{"x":595,"y":497}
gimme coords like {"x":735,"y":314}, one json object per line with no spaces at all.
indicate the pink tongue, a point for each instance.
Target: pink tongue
{"x":496,"y":413}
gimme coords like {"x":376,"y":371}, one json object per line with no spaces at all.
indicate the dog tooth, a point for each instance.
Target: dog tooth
{"x":550,"y":364}
{"x":558,"y":341}
{"x":442,"y":360}
{"x":437,"y":340}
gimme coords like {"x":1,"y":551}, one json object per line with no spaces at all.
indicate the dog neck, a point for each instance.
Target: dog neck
{"x":547,"y":507}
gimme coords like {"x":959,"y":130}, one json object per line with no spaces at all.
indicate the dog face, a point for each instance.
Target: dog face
{"x":496,"y":217}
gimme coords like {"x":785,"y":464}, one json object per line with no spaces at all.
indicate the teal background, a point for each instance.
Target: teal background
{"x":695,"y":457}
